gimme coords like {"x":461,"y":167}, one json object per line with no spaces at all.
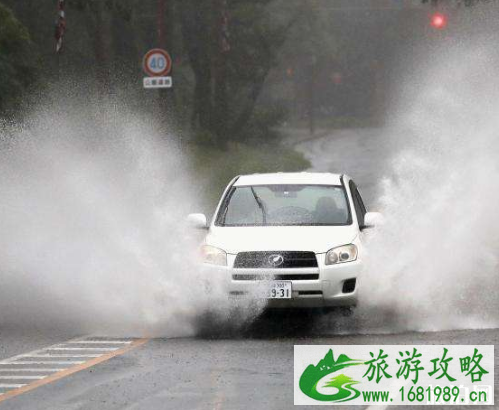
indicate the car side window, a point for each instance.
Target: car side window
{"x":358,"y":203}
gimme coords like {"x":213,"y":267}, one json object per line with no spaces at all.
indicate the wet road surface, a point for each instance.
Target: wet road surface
{"x":248,"y":371}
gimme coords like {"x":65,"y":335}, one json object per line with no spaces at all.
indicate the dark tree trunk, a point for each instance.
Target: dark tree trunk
{"x":195,"y":32}
{"x":220,"y":97}
{"x":96,"y":28}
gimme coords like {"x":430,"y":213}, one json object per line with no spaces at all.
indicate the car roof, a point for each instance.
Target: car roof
{"x":290,"y":178}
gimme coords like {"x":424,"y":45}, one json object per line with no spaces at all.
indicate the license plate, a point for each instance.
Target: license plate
{"x":279,"y":290}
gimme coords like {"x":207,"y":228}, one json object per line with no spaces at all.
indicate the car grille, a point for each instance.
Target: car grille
{"x":310,"y":293}
{"x":313,"y":276}
{"x":261,"y":260}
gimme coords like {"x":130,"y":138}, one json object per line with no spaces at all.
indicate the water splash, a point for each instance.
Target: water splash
{"x":91,"y":234}
{"x":435,"y":264}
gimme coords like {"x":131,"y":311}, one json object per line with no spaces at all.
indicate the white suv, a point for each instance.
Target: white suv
{"x":292,"y":238}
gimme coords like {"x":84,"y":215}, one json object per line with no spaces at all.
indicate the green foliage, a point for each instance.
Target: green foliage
{"x":219,"y":167}
{"x":122,"y":8}
{"x":228,"y":84}
{"x":217,"y":94}
{"x":261,"y":128}
{"x":220,"y":95}
{"x":17,"y":61}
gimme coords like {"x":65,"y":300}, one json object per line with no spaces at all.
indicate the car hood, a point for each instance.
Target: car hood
{"x":318,"y":239}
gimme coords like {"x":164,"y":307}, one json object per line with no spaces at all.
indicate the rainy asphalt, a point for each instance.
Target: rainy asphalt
{"x":249,"y":369}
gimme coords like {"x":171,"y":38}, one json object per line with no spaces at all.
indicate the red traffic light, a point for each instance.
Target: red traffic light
{"x":438,"y":21}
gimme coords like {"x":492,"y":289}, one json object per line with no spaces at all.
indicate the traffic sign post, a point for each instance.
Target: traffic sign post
{"x":157,"y":65}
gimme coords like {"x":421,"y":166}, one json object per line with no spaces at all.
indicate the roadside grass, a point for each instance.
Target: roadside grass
{"x":339,"y":122}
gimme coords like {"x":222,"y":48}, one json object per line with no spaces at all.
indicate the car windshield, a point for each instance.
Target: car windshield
{"x":285,"y":205}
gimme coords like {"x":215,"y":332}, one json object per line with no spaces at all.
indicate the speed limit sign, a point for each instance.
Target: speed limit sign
{"x":157,"y":63}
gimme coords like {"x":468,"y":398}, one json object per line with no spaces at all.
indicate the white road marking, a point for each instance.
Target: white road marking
{"x":22,"y":377}
{"x":73,"y":350}
{"x":11,"y":386}
{"x":40,"y":370}
{"x":62,"y":356}
{"x":47,"y":362}
{"x":93,"y":349}
{"x":104,"y":342}
{"x":23,"y":355}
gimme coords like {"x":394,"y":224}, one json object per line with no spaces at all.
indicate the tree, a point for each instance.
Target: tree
{"x":218,"y":83}
{"x":17,"y":61}
{"x":229,"y":80}
{"x":101,"y":17}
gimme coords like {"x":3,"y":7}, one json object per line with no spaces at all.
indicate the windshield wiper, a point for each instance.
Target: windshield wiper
{"x":260,"y":205}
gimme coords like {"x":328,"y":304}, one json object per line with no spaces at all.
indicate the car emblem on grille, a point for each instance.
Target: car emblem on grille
{"x":276,"y":260}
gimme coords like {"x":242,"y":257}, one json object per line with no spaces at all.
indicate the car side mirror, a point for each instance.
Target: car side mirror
{"x":372,"y":219}
{"x":197,"y":221}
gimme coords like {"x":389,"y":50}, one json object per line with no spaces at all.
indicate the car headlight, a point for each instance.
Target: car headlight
{"x":341,"y":254}
{"x":213,"y":256}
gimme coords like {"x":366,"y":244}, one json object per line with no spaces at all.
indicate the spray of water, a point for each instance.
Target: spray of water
{"x":435,"y":263}
{"x":91,"y":234}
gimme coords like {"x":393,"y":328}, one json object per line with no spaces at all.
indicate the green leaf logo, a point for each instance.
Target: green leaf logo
{"x":344,"y":384}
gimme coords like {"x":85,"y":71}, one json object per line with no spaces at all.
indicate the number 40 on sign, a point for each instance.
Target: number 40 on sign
{"x":157,"y":65}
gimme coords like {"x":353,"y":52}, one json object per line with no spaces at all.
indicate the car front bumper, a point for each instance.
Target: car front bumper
{"x":331,"y":286}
